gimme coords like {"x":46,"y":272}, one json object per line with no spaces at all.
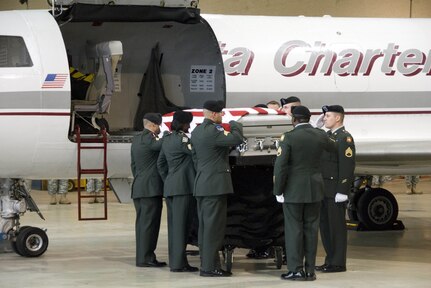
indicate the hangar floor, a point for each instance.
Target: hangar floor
{"x":101,"y":253}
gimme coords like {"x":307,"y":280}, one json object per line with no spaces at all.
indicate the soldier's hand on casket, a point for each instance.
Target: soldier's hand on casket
{"x":280,"y":198}
{"x":341,"y":198}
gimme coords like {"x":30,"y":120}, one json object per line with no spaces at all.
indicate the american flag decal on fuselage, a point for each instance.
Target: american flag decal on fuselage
{"x":54,"y":80}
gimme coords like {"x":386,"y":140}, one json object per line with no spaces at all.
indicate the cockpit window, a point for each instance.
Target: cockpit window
{"x":13,"y":52}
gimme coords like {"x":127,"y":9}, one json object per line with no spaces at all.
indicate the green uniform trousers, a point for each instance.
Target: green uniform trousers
{"x":301,"y":228}
{"x":180,"y":209}
{"x":147,"y":226}
{"x":212,"y":213}
{"x":333,"y":231}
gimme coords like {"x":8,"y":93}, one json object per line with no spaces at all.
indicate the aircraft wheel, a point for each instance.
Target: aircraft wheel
{"x":31,"y":242}
{"x":13,"y":243}
{"x":377,"y":209}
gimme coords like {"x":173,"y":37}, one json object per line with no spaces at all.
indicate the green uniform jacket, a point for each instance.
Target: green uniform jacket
{"x":144,"y":153}
{"x":297,"y":171}
{"x":338,"y":166}
{"x":175,"y":164}
{"x":210,"y":148}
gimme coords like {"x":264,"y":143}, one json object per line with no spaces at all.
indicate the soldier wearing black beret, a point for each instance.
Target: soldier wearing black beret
{"x":210,"y":150}
{"x":337,"y":169}
{"x":147,"y":190}
{"x":298,"y":184}
{"x":214,"y":106}
{"x":288,"y":103}
{"x":177,"y":170}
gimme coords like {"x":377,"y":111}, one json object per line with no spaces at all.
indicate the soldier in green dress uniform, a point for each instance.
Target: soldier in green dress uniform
{"x":210,"y":149}
{"x":337,"y":169}
{"x":147,"y":190}
{"x":177,"y":170}
{"x":298,"y":177}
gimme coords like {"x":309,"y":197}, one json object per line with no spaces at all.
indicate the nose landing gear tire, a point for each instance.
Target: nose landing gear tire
{"x":13,"y":243}
{"x":30,"y":242}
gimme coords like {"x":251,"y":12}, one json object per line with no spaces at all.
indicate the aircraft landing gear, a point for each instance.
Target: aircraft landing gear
{"x":15,"y":200}
{"x":373,"y":208}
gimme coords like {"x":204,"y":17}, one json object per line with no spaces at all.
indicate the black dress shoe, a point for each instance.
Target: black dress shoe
{"x":215,"y":273}
{"x":187,"y":268}
{"x":321,"y":267}
{"x":310,"y":276}
{"x":334,"y":269}
{"x":297,"y":276}
{"x":153,"y":263}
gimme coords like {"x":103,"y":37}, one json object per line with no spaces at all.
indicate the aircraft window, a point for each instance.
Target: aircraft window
{"x":13,"y":52}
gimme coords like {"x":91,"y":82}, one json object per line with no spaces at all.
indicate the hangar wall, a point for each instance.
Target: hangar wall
{"x":340,"y":8}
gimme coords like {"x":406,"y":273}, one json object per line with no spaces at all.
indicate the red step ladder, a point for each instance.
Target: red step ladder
{"x":92,"y":142}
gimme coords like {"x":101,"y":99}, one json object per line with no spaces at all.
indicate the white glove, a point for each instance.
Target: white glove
{"x":319,"y":121}
{"x":340,"y":197}
{"x":280,"y":198}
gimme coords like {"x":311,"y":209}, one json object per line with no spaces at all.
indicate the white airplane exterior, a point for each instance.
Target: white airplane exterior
{"x":378,"y":69}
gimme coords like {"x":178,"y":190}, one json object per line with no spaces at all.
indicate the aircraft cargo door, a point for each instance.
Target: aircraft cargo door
{"x":175,"y":46}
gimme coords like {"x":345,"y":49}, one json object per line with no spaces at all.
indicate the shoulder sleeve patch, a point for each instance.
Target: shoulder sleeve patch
{"x":185,"y":139}
{"x":279,"y":150}
{"x":189,"y":146}
{"x":282,"y":137}
{"x":349,"y":139}
{"x":219,"y":127}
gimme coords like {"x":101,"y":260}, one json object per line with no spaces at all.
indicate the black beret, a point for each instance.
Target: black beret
{"x":183,"y":117}
{"x":214,"y":106}
{"x":288,"y":100}
{"x":333,"y":108}
{"x":261,"y":106}
{"x":300,"y":112}
{"x":156,"y":118}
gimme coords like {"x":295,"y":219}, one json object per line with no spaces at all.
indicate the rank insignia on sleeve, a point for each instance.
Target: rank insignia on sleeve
{"x":349,"y":140}
{"x":349,"y":152}
{"x":189,"y":146}
{"x":185,"y":139}
{"x":279,"y":150}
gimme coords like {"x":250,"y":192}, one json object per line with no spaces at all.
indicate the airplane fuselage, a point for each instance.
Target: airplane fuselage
{"x":378,"y":69}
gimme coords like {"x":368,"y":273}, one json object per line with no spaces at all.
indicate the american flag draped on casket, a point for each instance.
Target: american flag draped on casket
{"x":229,"y":115}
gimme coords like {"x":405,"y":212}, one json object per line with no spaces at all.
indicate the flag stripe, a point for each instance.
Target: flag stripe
{"x":229,"y":114}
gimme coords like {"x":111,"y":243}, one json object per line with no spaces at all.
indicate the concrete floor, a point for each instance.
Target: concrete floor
{"x":101,"y":253}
